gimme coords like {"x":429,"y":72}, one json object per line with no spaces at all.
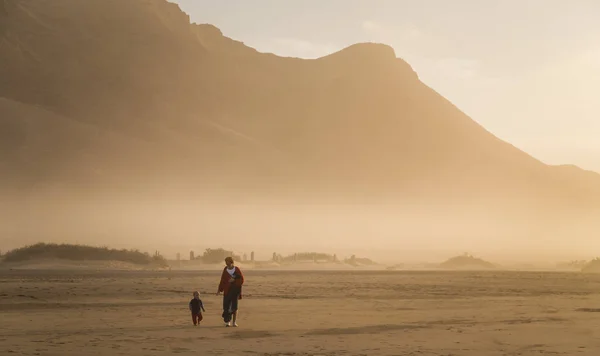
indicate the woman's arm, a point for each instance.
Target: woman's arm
{"x":240,"y":280}
{"x":222,"y":282}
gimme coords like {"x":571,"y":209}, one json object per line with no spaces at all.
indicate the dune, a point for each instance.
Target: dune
{"x":466,"y":262}
{"x":66,"y":265}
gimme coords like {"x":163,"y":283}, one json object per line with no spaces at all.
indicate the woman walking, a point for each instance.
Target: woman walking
{"x":231,"y":283}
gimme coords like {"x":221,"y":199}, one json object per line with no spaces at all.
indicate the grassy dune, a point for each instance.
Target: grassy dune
{"x":43,"y":251}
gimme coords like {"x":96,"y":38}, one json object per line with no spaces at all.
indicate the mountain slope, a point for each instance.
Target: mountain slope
{"x":130,"y":95}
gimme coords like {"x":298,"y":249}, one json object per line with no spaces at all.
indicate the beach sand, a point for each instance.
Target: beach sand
{"x":102,"y":312}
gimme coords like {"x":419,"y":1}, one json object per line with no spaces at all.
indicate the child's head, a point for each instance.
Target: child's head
{"x":196,"y":295}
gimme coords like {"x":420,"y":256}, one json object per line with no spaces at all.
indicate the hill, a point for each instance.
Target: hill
{"x":466,"y":261}
{"x":106,"y":98}
{"x":42,"y":251}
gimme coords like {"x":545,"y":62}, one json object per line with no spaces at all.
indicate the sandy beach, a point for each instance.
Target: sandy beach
{"x":87,"y":312}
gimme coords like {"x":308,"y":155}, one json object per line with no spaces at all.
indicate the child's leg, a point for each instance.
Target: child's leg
{"x":194,"y":316}
{"x":200,"y":317}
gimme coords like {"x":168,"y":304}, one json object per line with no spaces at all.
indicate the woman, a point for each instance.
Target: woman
{"x":231,"y":283}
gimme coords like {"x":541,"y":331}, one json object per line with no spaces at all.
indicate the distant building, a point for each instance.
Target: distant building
{"x":192,"y":255}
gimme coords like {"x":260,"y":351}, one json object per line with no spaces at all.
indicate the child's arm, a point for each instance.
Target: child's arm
{"x":202,"y":307}
{"x":190,"y":306}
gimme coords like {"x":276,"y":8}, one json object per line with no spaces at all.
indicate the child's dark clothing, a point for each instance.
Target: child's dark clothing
{"x":196,"y":307}
{"x":196,"y":318}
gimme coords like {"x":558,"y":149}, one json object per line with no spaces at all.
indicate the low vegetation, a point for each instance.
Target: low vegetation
{"x":70,"y":252}
{"x":217,"y":255}
{"x":317,"y":257}
{"x":574,"y":265}
{"x":359,"y":261}
{"x":592,"y":267}
{"x":306,"y":257}
{"x":466,"y":261}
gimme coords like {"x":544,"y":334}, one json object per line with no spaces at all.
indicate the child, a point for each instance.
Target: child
{"x":196,"y":307}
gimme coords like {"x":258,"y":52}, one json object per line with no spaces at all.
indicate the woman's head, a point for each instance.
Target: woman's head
{"x":229,"y":261}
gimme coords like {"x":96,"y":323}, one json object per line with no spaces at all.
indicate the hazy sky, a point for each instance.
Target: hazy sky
{"x":527,"y":70}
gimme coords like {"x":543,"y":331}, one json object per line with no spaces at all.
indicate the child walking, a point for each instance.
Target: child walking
{"x":196,"y":307}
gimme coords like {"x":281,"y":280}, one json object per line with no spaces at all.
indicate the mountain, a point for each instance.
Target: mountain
{"x":124,"y":87}
{"x":130,"y":98}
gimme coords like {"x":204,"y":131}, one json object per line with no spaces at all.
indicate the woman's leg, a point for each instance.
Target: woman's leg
{"x":234,"y":308}
{"x":235,"y":313}
{"x":226,"y":308}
